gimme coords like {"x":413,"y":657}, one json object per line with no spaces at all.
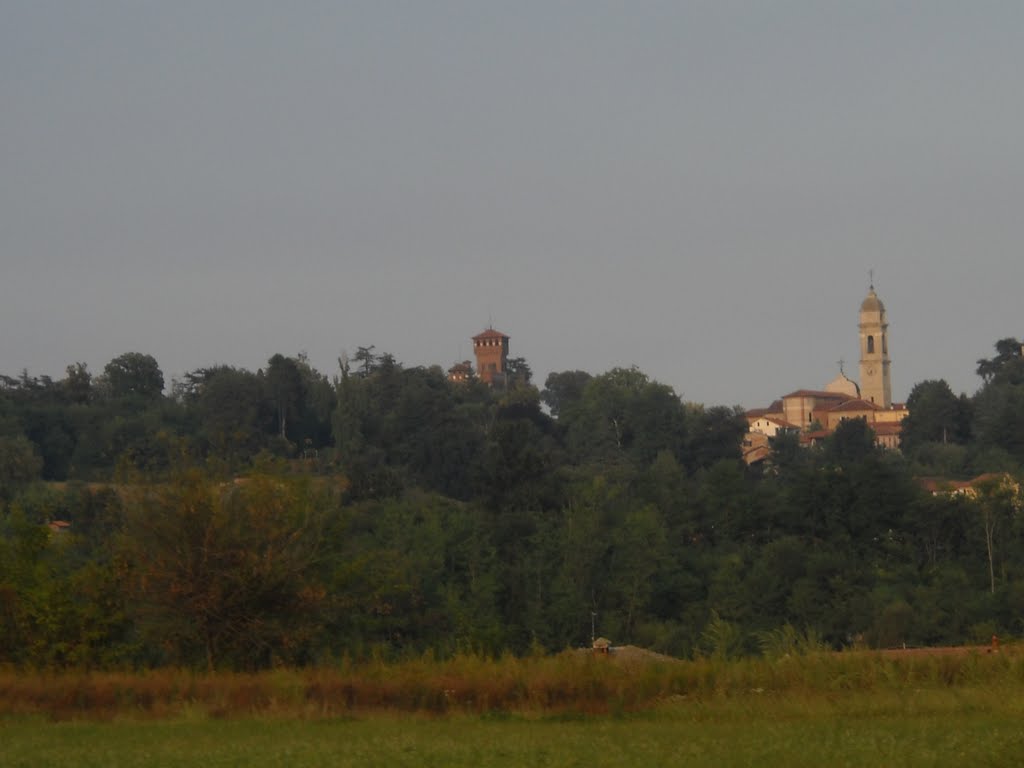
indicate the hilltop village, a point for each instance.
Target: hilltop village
{"x":810,"y":414}
{"x":249,"y":519}
{"x":813,"y":414}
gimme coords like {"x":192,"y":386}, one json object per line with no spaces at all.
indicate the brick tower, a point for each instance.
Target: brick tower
{"x":491,"y":349}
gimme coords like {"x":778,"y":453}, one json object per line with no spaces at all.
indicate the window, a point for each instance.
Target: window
{"x":871,"y":345}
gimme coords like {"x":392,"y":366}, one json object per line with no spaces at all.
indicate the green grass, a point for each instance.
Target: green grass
{"x":975,"y":726}
{"x":849,"y":709}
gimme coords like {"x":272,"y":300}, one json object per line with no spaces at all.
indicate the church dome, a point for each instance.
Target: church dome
{"x":872,"y":303}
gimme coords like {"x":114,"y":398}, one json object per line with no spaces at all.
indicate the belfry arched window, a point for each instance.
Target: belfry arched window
{"x":871,"y":345}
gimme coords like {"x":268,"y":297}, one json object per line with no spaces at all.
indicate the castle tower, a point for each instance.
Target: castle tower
{"x":491,"y":349}
{"x":875,"y":386}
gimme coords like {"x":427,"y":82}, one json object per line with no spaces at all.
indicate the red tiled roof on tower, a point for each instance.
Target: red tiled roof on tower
{"x":490,"y":333}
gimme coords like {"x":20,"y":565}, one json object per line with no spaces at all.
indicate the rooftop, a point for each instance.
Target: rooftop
{"x":856,"y":405}
{"x":819,"y":394}
{"x":490,"y":333}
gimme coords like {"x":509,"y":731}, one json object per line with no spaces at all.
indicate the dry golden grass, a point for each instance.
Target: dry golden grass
{"x":571,"y":682}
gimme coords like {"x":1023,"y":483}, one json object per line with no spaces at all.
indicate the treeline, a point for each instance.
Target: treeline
{"x":278,"y":517}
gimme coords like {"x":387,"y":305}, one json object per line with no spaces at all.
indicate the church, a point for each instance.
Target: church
{"x":815,"y":414}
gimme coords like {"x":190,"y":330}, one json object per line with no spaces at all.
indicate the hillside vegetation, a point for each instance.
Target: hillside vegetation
{"x":255,"y":520}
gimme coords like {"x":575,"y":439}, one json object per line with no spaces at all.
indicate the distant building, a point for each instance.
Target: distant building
{"x":875,"y":384}
{"x":461,"y":372}
{"x":491,"y":350}
{"x":805,"y":406}
{"x":815,"y":414}
{"x":993,"y":481}
{"x":59,"y":527}
{"x":755,"y":447}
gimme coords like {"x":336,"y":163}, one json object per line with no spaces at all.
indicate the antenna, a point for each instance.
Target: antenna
{"x":871,"y":279}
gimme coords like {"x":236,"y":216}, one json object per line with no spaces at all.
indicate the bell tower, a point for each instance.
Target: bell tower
{"x":875,"y":386}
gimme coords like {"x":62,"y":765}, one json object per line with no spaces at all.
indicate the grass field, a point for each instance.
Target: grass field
{"x":834,"y":710}
{"x":977,"y":728}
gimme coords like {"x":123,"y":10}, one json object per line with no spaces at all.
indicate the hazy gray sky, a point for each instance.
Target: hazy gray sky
{"x":696,"y":188}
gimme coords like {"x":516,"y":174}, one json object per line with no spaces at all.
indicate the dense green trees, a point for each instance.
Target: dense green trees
{"x":133,"y":373}
{"x":935,"y":415}
{"x":562,"y":391}
{"x":19,"y":464}
{"x":61,"y":602}
{"x":624,"y":416}
{"x":253,"y":518}
{"x":83,"y":427}
{"x":1007,"y":365}
{"x":999,"y":404}
{"x":223,"y":572}
{"x":229,"y":412}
